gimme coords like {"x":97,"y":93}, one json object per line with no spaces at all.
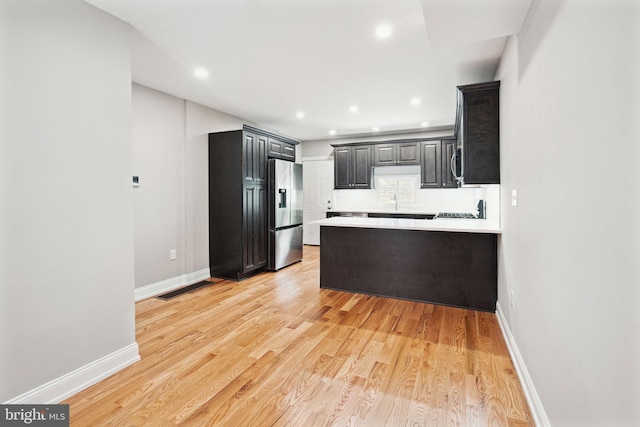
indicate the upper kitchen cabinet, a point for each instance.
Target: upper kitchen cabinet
{"x":478,"y":132}
{"x":398,"y":153}
{"x":279,"y":149}
{"x":430,"y":165}
{"x":438,"y":163}
{"x":449,"y":160}
{"x":352,"y":166}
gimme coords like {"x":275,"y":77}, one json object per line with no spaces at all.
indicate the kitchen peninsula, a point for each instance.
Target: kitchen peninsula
{"x":442,"y":261}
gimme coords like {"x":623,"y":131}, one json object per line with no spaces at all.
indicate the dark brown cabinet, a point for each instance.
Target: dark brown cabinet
{"x":394,"y":154}
{"x":254,"y":159}
{"x":238,"y":202}
{"x":448,"y":163}
{"x":281,"y":150}
{"x":436,"y":157}
{"x":254,"y":233}
{"x":438,"y":267}
{"x":430,"y":164}
{"x":353,"y":163}
{"x":352,"y":166}
{"x":384,"y":155}
{"x":478,"y":132}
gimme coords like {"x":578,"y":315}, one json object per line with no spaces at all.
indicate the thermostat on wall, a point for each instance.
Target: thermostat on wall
{"x":136,"y":181}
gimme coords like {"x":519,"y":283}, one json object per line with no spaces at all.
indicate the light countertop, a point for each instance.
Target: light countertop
{"x":386,"y":211}
{"x":438,"y":224}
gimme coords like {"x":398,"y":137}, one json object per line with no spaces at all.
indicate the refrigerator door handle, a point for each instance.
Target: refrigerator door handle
{"x":283,"y":197}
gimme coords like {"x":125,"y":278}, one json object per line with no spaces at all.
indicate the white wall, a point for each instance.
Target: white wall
{"x":570,"y":146}
{"x":158,"y":159}
{"x":428,"y":200}
{"x":200,"y":122}
{"x":66,"y":236}
{"x":171,"y":210}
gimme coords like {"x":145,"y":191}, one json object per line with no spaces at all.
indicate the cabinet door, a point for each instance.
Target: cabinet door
{"x":352,"y":167}
{"x":384,"y":154}
{"x":448,"y":151}
{"x":254,"y":167}
{"x":289,"y":151}
{"x":479,"y":132}
{"x":408,"y":153}
{"x":254,"y":233}
{"x":260,"y":160}
{"x":342,"y":169}
{"x":430,"y":168}
{"x":248,"y":141}
{"x":281,"y":150}
{"x":275,"y":148}
{"x":361,"y":173}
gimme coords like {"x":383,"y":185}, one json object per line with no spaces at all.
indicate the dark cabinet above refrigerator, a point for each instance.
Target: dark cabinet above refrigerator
{"x":279,"y":149}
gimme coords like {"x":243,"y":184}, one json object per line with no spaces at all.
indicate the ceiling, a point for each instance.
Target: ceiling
{"x":269,"y":60}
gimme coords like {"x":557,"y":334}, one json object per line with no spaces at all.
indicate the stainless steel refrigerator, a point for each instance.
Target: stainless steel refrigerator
{"x":285,"y":213}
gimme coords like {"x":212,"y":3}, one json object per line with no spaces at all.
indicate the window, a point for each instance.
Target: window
{"x":401,"y":187}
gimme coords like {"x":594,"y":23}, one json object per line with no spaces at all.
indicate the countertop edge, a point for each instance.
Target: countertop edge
{"x":440,"y":224}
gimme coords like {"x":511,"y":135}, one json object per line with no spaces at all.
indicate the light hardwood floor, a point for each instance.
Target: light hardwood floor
{"x":277,"y":350}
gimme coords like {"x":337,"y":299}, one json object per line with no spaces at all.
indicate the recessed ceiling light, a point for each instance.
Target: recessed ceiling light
{"x":424,"y":124}
{"x":416,"y":101}
{"x":300,"y":114}
{"x":332,"y":132}
{"x":354,"y":108}
{"x":201,"y":73}
{"x":375,"y":128}
{"x":383,"y":31}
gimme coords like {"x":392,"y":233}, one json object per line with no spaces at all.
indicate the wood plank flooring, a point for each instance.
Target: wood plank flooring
{"x":275,"y":350}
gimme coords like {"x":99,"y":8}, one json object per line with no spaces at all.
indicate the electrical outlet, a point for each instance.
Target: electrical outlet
{"x":512,"y":300}
{"x":172,"y":254}
{"x":514,"y":198}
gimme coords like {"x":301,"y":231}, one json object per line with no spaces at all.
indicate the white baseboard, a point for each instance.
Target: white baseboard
{"x":75,"y":381}
{"x":171,"y":284}
{"x":535,"y":404}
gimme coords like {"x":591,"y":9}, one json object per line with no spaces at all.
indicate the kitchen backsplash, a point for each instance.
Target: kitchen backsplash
{"x":427,"y":200}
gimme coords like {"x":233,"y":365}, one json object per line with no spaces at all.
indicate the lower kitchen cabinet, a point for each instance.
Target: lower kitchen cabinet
{"x":254,"y":233}
{"x":459,"y":269}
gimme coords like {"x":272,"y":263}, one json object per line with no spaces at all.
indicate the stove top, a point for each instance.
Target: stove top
{"x":456,"y":215}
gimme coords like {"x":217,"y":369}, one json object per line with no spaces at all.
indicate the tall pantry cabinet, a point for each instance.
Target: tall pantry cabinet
{"x":237,"y":203}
